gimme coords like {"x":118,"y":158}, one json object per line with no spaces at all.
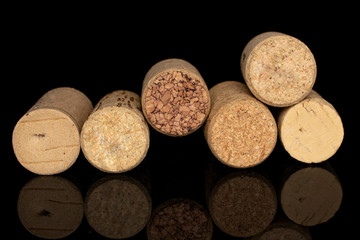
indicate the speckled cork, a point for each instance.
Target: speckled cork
{"x":311,"y":131}
{"x":46,"y":140}
{"x":50,"y":207}
{"x":115,"y":138}
{"x":240,"y":131}
{"x":117,"y":207}
{"x":279,"y":69}
{"x":175,"y":98}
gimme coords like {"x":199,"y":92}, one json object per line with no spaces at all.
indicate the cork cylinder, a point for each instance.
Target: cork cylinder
{"x":115,"y":138}
{"x":240,"y":131}
{"x":46,"y":140}
{"x":180,"y":218}
{"x":311,"y":131}
{"x":175,"y":98}
{"x":279,"y":69}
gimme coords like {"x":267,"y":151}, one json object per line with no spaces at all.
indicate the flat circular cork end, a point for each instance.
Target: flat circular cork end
{"x":279,"y":69}
{"x":115,"y":139}
{"x":46,"y":141}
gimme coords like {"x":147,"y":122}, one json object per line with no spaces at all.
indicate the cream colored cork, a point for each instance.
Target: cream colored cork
{"x":46,"y":140}
{"x":279,"y":69}
{"x":175,"y":98}
{"x":240,"y":131}
{"x":311,"y":130}
{"x":115,"y":138}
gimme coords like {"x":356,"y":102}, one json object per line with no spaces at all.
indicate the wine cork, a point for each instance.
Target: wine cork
{"x":240,"y":131}
{"x":311,"y":131}
{"x":46,"y":140}
{"x":180,"y":219}
{"x":279,"y":69}
{"x":311,"y":195}
{"x":115,"y":138}
{"x":50,"y":207}
{"x":243,"y":204}
{"x":175,"y":98}
{"x":117,"y":207}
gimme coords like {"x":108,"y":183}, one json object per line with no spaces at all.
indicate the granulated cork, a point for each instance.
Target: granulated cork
{"x":279,"y":69}
{"x":311,"y":130}
{"x":46,"y":140}
{"x":240,"y":131}
{"x":175,"y":98}
{"x":115,"y":138}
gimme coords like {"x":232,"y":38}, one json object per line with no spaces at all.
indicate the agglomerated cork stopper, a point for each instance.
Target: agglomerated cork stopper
{"x":46,"y":140}
{"x":175,"y":98}
{"x":180,"y":219}
{"x":115,"y":138}
{"x":311,"y":131}
{"x":240,"y":131}
{"x":279,"y":69}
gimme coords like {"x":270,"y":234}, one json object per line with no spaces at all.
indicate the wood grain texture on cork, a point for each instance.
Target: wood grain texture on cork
{"x":115,"y":138}
{"x":117,"y":207}
{"x":46,"y":140}
{"x":180,"y":219}
{"x":175,"y":98}
{"x":243,"y":204}
{"x":240,"y":131}
{"x":50,"y":207}
{"x":311,"y":131}
{"x":279,"y":69}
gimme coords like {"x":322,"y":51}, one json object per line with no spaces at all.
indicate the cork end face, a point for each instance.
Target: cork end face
{"x":280,"y":70}
{"x":115,"y":139}
{"x":242,"y":134}
{"x":46,"y":141}
{"x":176,"y":102}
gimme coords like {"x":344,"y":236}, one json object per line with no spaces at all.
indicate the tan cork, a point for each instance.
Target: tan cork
{"x":240,"y":131}
{"x":279,"y":69}
{"x":311,"y":195}
{"x":115,"y":138}
{"x":50,"y":207}
{"x":46,"y":140}
{"x":311,"y":131}
{"x":175,"y":98}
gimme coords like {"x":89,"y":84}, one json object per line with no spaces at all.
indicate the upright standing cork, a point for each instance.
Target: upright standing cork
{"x":279,"y":69}
{"x":115,"y":138}
{"x":311,"y":130}
{"x":240,"y":131}
{"x":175,"y":98}
{"x":46,"y":140}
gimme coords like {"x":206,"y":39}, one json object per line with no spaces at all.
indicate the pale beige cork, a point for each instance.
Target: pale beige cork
{"x":279,"y":69}
{"x":115,"y":138}
{"x":240,"y":131}
{"x":46,"y":140}
{"x":175,"y":98}
{"x":311,"y":131}
{"x":50,"y":207}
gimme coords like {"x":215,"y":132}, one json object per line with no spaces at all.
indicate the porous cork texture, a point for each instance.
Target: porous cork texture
{"x":175,"y":98}
{"x":240,"y":131}
{"x":180,"y":219}
{"x":50,"y":207}
{"x":117,"y":207}
{"x":311,"y":131}
{"x":115,"y":138}
{"x":46,"y":140}
{"x":279,"y":69}
{"x":311,"y":195}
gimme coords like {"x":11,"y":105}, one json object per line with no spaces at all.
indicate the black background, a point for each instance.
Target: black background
{"x":100,"y":50}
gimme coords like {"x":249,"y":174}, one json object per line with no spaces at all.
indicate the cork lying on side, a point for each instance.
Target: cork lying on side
{"x":175,"y":98}
{"x":240,"y":131}
{"x":46,"y":140}
{"x":279,"y":69}
{"x":115,"y":138}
